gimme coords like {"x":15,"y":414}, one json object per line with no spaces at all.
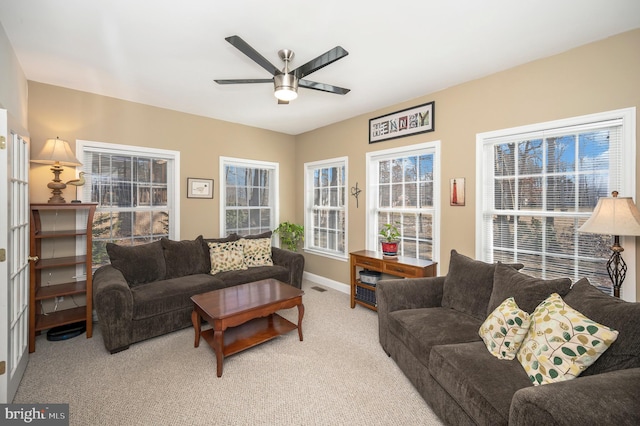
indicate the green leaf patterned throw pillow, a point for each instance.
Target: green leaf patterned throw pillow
{"x":561,"y":342}
{"x":504,"y":329}
{"x":257,"y":252}
{"x":227,"y":256}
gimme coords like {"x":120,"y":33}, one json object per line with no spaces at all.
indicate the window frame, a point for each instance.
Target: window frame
{"x":173,"y":176}
{"x":628,"y":175}
{"x":371,"y":161}
{"x":309,"y":169}
{"x":275,"y":190}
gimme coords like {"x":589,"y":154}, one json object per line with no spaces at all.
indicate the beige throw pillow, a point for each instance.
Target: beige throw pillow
{"x":227,"y":256}
{"x":561,"y":342}
{"x":257,"y":252}
{"x":504,"y":329}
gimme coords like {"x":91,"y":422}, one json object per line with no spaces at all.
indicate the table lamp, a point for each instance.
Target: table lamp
{"x":57,"y":152}
{"x":614,"y":216}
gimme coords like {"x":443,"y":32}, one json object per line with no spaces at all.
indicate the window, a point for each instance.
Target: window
{"x":403,"y":188}
{"x":136,"y":190}
{"x":540,"y":183}
{"x":249,"y":196}
{"x":326,"y":207}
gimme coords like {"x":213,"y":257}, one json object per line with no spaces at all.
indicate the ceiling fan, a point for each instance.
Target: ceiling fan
{"x":286,"y":82}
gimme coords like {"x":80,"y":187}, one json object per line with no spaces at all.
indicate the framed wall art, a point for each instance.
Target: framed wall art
{"x":410,"y":121}
{"x":457,"y":192}
{"x":199,"y":188}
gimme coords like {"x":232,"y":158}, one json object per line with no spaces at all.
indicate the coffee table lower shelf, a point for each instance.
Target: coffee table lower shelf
{"x":250,"y":334}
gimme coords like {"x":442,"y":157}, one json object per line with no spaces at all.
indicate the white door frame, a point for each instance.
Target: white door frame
{"x":14,"y":269}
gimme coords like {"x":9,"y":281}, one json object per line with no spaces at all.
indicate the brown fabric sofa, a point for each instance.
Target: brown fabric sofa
{"x":145,"y":291}
{"x":429,"y":326}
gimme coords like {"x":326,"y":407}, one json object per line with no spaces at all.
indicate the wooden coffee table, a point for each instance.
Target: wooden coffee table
{"x":244,"y":316}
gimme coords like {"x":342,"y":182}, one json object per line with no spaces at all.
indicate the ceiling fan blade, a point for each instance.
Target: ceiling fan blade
{"x":321,"y":61}
{"x":323,"y":87}
{"x":244,"y":47}
{"x":245,"y":81}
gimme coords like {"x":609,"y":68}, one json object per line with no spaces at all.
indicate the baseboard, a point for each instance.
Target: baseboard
{"x":336,"y":285}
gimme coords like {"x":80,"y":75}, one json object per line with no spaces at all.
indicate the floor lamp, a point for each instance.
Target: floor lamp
{"x":614,"y":216}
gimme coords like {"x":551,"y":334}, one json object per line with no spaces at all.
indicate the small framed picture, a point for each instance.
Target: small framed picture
{"x":199,"y":188}
{"x":457,"y":192}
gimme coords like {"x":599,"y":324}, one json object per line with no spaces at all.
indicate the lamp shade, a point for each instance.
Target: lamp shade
{"x":56,"y":151}
{"x":614,"y":216}
{"x":286,"y":87}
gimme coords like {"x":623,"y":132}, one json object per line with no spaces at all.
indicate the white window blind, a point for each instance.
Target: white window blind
{"x":538,"y":186}
{"x":136,"y":190}
{"x":249,"y":196}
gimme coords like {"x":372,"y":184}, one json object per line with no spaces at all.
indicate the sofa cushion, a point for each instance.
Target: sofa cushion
{"x":185,"y":257}
{"x":256,"y":273}
{"x":230,"y":237}
{"x":421,"y":329}
{"x":468,"y":285}
{"x":139,"y":264}
{"x":160,"y":297}
{"x":479,"y":382}
{"x":266,"y":234}
{"x":617,"y":314}
{"x":561,"y":342}
{"x":527,"y":291}
{"x":257,"y":252}
{"x":227,"y":256}
{"x":504,"y":329}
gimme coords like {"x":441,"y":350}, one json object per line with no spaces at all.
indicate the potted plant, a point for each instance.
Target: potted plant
{"x":390,"y":239}
{"x":290,"y":235}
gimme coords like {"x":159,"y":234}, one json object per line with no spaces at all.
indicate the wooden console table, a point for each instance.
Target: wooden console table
{"x":405,"y":267}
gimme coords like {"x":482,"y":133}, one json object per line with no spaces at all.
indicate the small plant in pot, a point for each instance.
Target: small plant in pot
{"x":390,"y":240}
{"x":290,"y":235}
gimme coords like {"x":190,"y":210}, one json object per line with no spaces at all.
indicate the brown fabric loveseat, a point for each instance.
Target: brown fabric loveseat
{"x":145,"y":291}
{"x":429,"y":327}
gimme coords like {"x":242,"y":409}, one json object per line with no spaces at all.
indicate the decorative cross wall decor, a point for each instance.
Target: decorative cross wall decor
{"x":355,"y":191}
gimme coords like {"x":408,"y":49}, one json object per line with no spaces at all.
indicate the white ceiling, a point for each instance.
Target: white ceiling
{"x":166,"y":53}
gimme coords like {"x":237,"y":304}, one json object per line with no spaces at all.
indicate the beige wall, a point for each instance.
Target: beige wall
{"x":597,"y":77}
{"x":71,"y":115}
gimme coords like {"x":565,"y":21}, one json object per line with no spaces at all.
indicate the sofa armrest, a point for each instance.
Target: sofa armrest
{"x":113,"y":302}
{"x":609,"y":398}
{"x":293,"y":261}
{"x":409,"y":293}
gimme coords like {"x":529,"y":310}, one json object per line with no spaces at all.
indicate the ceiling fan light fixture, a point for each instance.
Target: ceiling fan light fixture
{"x":285,"y":82}
{"x":286,"y":87}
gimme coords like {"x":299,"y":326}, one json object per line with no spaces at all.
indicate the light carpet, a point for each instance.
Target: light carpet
{"x":339,"y":375}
